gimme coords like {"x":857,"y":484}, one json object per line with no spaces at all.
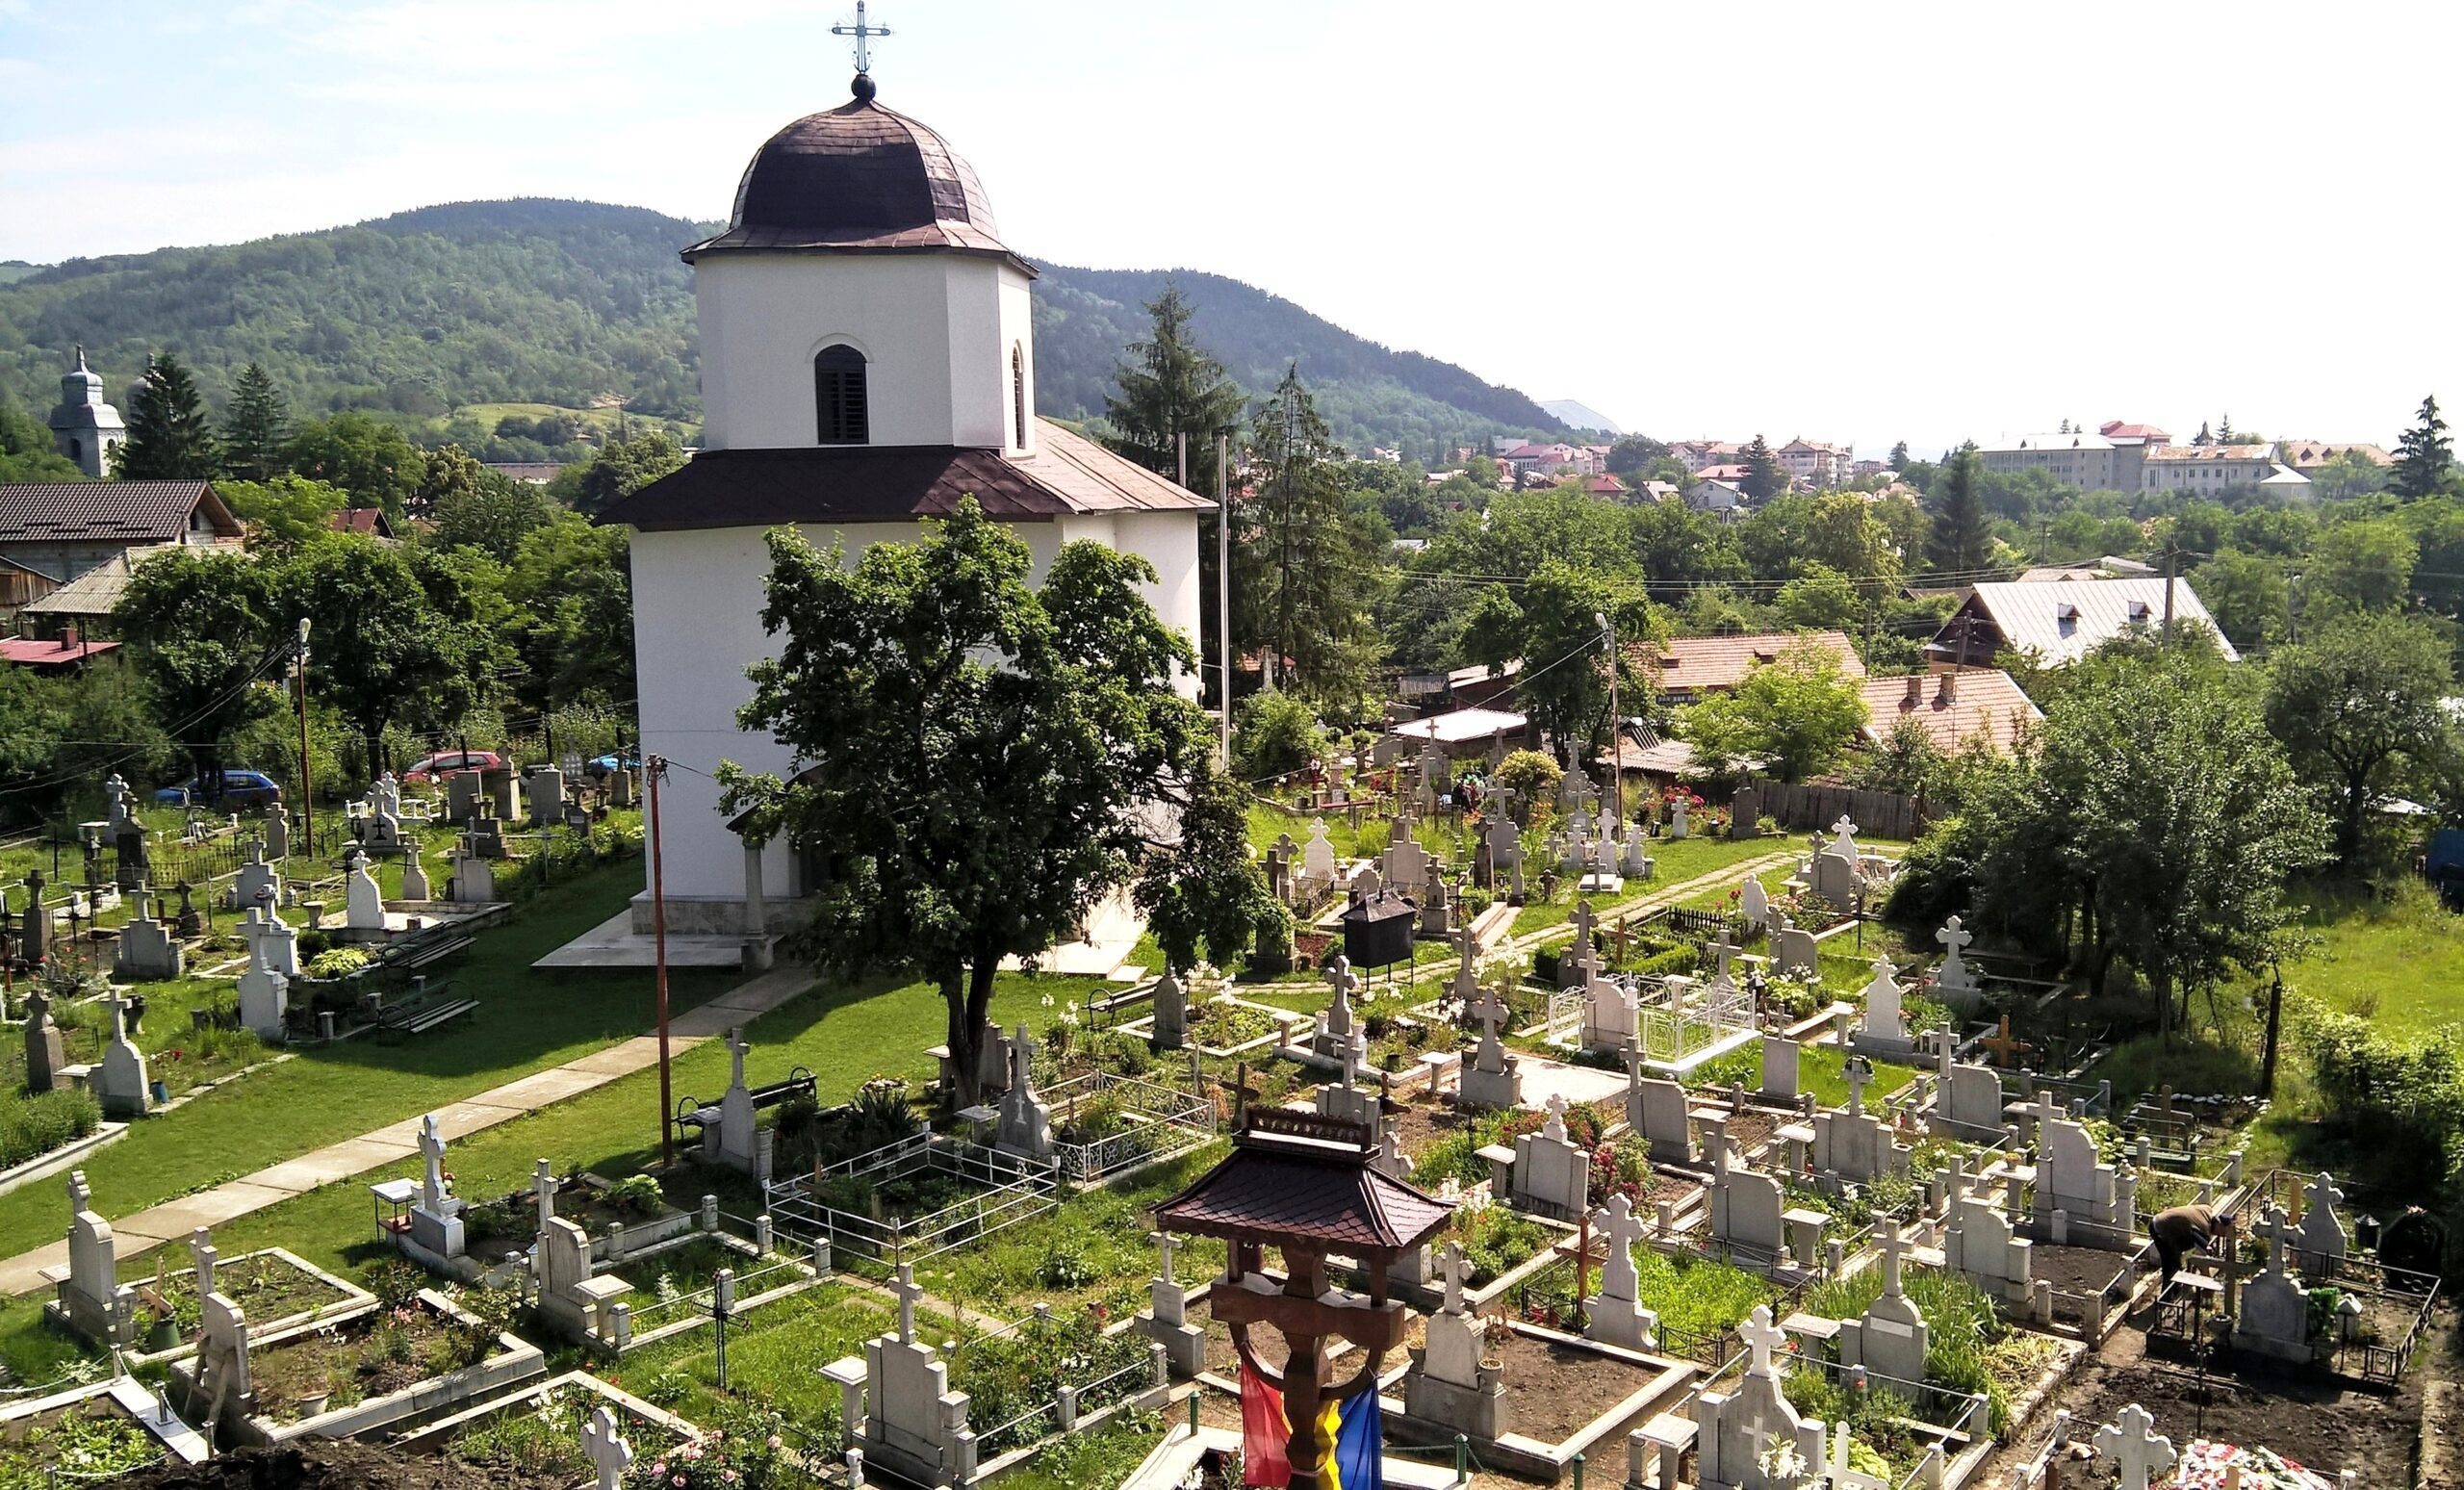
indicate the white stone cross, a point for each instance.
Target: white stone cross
{"x":1860,"y":1074}
{"x":1022,"y":1065}
{"x":202,"y":1254}
{"x":543,"y":1187}
{"x":1490,"y":1011}
{"x":1556,"y":1127}
{"x":736,"y":1048}
{"x":1166,"y":1244}
{"x":2137,"y":1452}
{"x":120,"y":1016}
{"x":1953,"y":937}
{"x":432,"y":1152}
{"x":1616,"y":1220}
{"x":608,"y":1454}
{"x":1945,"y":1043}
{"x":1761,"y":1336}
{"x":1582,"y":921}
{"x":1722,"y":951}
{"x":2322,"y":1194}
{"x":1893,"y":1242}
{"x":1846,"y":842}
{"x":904,"y":1285}
{"x":2273,"y":1226}
{"x":1340,"y":978}
{"x":79,"y":1192}
{"x":2046,"y":1110}
{"x":1451,"y":1263}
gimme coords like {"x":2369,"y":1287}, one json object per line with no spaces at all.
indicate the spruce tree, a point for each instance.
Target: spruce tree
{"x":1959,"y":540}
{"x":254,"y":428}
{"x":1763,"y":480}
{"x":1899,"y":456}
{"x":169,"y":438}
{"x":1308,"y":568}
{"x":2424,"y":456}
{"x":1171,"y":387}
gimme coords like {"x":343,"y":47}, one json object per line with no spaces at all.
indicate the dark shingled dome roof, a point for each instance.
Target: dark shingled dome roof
{"x":859,"y":178}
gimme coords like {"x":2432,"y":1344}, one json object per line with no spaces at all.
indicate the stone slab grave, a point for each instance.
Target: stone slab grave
{"x":1851,"y":1145}
{"x":1657,"y":1109}
{"x":2081,"y":1200}
{"x":122,"y":1084}
{"x":45,"y":1056}
{"x":1747,"y":1205}
{"x":568,"y":1290}
{"x":1318,"y":869}
{"x":1346,"y":1099}
{"x":264,"y":994}
{"x":363,"y":902}
{"x":1968,"y":1099}
{"x":1978,"y":1245}
{"x":1615,"y":1315}
{"x":88,"y":1297}
{"x":1025,"y":1125}
{"x":436,"y":1226}
{"x":148,"y":951}
{"x":1793,"y":949}
{"x":1447,"y":1382}
{"x":1609,"y":1021}
{"x":897,"y":1403}
{"x":1736,"y":1427}
{"x":1884,"y":1029}
{"x":256,"y":883}
{"x":1892,"y":1337}
{"x":1165,"y":1318}
{"x":1955,"y":981}
{"x":1544,"y":1171}
{"x":1780,"y":1061}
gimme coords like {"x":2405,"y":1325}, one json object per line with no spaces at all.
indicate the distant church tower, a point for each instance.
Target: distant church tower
{"x":85,"y":428}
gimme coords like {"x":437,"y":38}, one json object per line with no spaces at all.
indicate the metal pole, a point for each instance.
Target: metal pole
{"x":1616,"y":724}
{"x":1223,"y":585}
{"x":307,"y":791}
{"x":655,"y":768}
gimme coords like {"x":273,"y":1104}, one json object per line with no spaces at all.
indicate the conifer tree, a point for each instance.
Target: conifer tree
{"x":254,"y":428}
{"x":1171,"y":387}
{"x":2424,"y":456}
{"x":1762,"y":478}
{"x":169,"y":438}
{"x":1307,"y":569}
{"x":1959,"y":540}
{"x":1899,"y":456}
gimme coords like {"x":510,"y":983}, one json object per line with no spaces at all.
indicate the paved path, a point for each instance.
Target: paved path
{"x":399,"y":1142}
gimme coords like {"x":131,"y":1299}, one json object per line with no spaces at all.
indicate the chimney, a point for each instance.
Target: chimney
{"x":1950,"y":689}
{"x":69,"y":639}
{"x":1916,"y":689}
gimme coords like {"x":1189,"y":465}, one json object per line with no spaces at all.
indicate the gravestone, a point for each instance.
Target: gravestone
{"x":278,"y":938}
{"x":737,"y":1117}
{"x":1745,"y":813}
{"x":609,"y":1455}
{"x":1318,"y":860}
{"x":1780,"y":1061}
{"x":485,"y":837}
{"x":415,"y":886}
{"x":1745,"y":1207}
{"x":1739,"y":1429}
{"x":45,"y":1056}
{"x":1345,"y":1099}
{"x":474,"y":883}
{"x":256,"y":884}
{"x":1968,"y":1099}
{"x":363,"y":902}
{"x":1551,"y":1172}
{"x":223,"y":1374}
{"x":2323,"y":1244}
{"x":1437,"y":909}
{"x":2136,"y":1454}
{"x":1448,"y":1384}
{"x":1337,"y":1036}
{"x":1026,"y":1128}
{"x":33,"y":943}
{"x":547,"y":787}
{"x":1978,"y":1245}
{"x":573,"y":1300}
{"x":1608,"y":1013}
{"x":2274,"y":1317}
{"x":87,"y":1296}
{"x":381,"y":830}
{"x":1506,"y":853}
{"x":1793,"y":947}
{"x":1634,"y":860}
{"x":461,"y":797}
{"x":1854,"y":1146}
{"x":503,"y":792}
{"x":1885,"y":1029}
{"x":1171,"y":1012}
{"x":2073,"y":1180}
{"x":1677,"y":807}
{"x":1656,"y":1109}
{"x":914,"y":1426}
{"x":1834,"y":879}
{"x":121,"y":1082}
{"x":1278,"y":870}
{"x":436,"y":1216}
{"x":264,"y":994}
{"x":1493,"y":1078}
{"x":1955,"y":982}
{"x":1754,"y":901}
{"x":191,"y":922}
{"x":276,"y":831}
{"x":1891,"y":1338}
{"x":1615,"y":1315}
{"x":1166,"y":1319}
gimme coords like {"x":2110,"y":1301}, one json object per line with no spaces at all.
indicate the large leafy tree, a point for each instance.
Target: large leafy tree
{"x":374,"y":461}
{"x":168,"y":436}
{"x":2425,"y":454}
{"x":26,"y":449}
{"x":284,"y":512}
{"x":1958,"y":540}
{"x":474,"y":507}
{"x":1764,"y":478}
{"x":397,"y":635}
{"x":2358,"y":699}
{"x":979,"y":758}
{"x":1797,"y":713}
{"x":207,"y":627}
{"x":254,"y":426}
{"x":2359,"y":564}
{"x":1553,"y":628}
{"x":1309,"y":566}
{"x":571,"y":588}
{"x":1169,"y":387}
{"x":621,"y":468}
{"x":1204,"y":887}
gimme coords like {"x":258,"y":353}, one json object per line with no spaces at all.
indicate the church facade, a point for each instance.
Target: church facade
{"x":867,"y":362}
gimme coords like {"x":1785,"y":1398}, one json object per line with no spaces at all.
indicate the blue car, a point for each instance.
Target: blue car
{"x":240,"y":788}
{"x":609,"y":765}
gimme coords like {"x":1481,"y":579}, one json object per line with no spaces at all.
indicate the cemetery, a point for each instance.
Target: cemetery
{"x":93,"y":1433}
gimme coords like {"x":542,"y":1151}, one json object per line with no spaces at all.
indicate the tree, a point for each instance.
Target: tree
{"x":1763,"y":478}
{"x":1204,"y":887}
{"x":169,"y":438}
{"x":979,"y":755}
{"x":1796,"y":714}
{"x":1899,"y":457}
{"x":2247,"y":596}
{"x":254,"y":426}
{"x":396,"y":636}
{"x":477,"y":508}
{"x":1553,"y":628}
{"x":1312,"y":570}
{"x":1958,"y":541}
{"x":1274,"y":733}
{"x":572,"y":586}
{"x":374,"y":461}
{"x":26,"y":449}
{"x":2424,"y":456}
{"x":284,"y":511}
{"x":1531,"y":776}
{"x":2359,"y":564}
{"x":2356,"y":699}
{"x":207,"y":632}
{"x":623,"y":467}
{"x":1632,"y":456}
{"x":1907,"y":760}
{"x":1170,"y":387}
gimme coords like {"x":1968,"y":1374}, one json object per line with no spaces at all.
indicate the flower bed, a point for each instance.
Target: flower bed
{"x":1013,"y":1379}
{"x":1699,"y":1302}
{"x":83,"y":1442}
{"x":274,"y":1290}
{"x":510,"y":1223}
{"x":539,"y":1432}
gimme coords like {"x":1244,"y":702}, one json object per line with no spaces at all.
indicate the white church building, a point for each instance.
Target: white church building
{"x":867,"y":361}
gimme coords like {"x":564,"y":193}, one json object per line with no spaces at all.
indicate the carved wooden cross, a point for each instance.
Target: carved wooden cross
{"x":2003,"y":1046}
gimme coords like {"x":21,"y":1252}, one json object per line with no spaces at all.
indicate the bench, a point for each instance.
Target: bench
{"x":1101,"y":1008}
{"x":798,"y":1083}
{"x":427,"y":953}
{"x":433,"y":1007}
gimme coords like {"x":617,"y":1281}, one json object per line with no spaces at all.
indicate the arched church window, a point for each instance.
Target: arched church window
{"x":77,"y":449}
{"x":1018,"y":391}
{"x":838,"y":395}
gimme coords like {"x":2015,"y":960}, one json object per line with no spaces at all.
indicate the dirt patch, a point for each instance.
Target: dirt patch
{"x":1420,"y":1124}
{"x":2079,"y":1274}
{"x":329,"y":1465}
{"x":1555,"y":1390}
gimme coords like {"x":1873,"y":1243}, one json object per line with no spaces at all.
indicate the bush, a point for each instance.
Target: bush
{"x":337,"y":962}
{"x":2404,"y":1103}
{"x":1533,"y":776}
{"x":1275,"y":732}
{"x":1937,"y":877}
{"x":638,"y":1194}
{"x":32,"y":1127}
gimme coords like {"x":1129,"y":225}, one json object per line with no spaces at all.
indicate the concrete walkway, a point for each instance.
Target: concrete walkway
{"x":399,"y":1142}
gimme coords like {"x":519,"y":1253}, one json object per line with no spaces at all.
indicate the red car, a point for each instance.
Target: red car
{"x":445,"y":762}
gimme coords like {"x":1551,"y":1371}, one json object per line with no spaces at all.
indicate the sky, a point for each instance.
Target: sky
{"x":1867,"y":223}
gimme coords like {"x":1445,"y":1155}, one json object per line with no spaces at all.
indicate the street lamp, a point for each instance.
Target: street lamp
{"x":1616,"y":723}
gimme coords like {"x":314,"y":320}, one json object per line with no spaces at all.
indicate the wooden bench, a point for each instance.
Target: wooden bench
{"x":798,"y":1083}
{"x":426,"y":954}
{"x":433,"y":1007}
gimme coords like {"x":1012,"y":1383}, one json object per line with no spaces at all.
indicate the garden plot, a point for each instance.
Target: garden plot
{"x":675,"y":1283}
{"x":91,"y":1433}
{"x":1090,"y":1252}
{"x":1699,"y":1302}
{"x":911,"y":1201}
{"x":400,"y":1364}
{"x":274,"y":1288}
{"x":619,"y":1215}
{"x":538,"y":1430}
{"x":1106,"y":1124}
{"x":1564,"y":1395}
{"x":1971,"y":1349}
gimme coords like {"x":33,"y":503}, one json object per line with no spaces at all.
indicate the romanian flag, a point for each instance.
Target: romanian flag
{"x":1265,"y":1458}
{"x":1358,"y":1429}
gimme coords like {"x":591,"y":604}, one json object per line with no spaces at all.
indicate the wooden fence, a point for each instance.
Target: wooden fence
{"x":1883,"y":814}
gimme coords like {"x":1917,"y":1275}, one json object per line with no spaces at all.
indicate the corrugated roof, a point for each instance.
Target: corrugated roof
{"x":132,"y":512}
{"x":1952,"y":706}
{"x":95,"y":593}
{"x":824,"y":485}
{"x":1697,"y":665}
{"x":45,"y":652}
{"x":2064,"y":620}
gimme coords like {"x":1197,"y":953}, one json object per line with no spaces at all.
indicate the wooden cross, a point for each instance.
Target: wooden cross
{"x":2003,"y":1046}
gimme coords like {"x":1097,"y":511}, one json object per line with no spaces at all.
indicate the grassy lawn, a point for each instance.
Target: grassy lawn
{"x":1821,"y":1069}
{"x":1672,"y":864}
{"x":2399,"y":964}
{"x":527,"y":1020}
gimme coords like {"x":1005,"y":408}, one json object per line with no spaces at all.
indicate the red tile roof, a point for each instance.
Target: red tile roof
{"x":1703,"y":664}
{"x":362,"y":519}
{"x":1986,"y":704}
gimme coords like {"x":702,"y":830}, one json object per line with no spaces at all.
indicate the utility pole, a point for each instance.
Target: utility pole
{"x":1616,"y":722}
{"x":1224,"y":582}
{"x":307,"y":791}
{"x":2275,"y":1017}
{"x":2173,"y":562}
{"x":655,"y":768}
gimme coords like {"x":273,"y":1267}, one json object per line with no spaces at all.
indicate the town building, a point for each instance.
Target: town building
{"x":2109,"y":460}
{"x":1689,"y":667}
{"x":1952,"y":707}
{"x":60,"y":531}
{"x":2210,"y":469}
{"x":82,"y":427}
{"x":2060,"y":620}
{"x":1816,"y":466}
{"x":1695,"y":455}
{"x":867,"y":362}
{"x":1712,"y":493}
{"x":2308,"y":455}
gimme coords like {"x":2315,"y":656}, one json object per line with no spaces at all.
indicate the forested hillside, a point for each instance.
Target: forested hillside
{"x":559,"y":302}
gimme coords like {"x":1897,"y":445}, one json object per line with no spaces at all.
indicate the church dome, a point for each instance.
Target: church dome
{"x":862,"y":177}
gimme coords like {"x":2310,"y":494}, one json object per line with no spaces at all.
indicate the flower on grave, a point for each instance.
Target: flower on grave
{"x":776,"y":1441}
{"x":1047,"y":1001}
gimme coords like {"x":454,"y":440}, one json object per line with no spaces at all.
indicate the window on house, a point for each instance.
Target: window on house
{"x":838,"y":395}
{"x":1018,"y":391}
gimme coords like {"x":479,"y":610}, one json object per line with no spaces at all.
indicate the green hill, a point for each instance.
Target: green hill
{"x":561,"y":304}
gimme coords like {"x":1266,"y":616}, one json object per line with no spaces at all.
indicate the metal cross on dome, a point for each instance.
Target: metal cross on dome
{"x":863,"y":35}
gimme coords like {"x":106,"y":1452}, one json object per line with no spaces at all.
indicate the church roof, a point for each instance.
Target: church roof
{"x":1065,"y":476}
{"x":859,"y":178}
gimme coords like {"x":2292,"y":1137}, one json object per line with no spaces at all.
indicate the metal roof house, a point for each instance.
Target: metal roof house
{"x":2062,"y":620}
